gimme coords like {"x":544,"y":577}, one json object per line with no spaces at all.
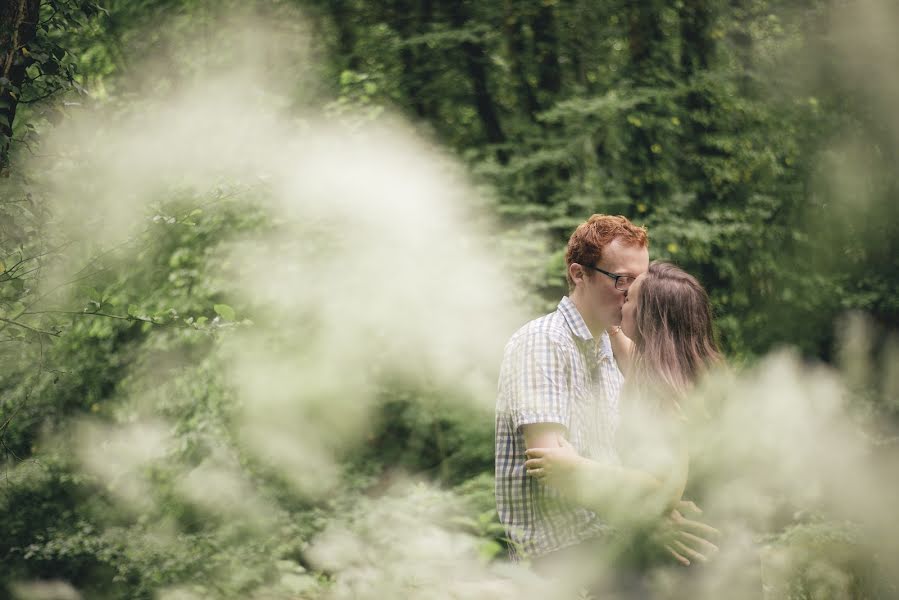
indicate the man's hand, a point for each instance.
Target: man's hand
{"x":687,"y":540}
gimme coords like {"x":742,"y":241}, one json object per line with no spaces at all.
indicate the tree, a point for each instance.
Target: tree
{"x":18,"y":26}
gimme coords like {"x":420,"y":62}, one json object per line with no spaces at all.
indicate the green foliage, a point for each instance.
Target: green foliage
{"x":821,"y":559}
{"x":777,"y":191}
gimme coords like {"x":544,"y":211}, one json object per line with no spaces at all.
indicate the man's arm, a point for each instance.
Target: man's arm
{"x":543,"y":435}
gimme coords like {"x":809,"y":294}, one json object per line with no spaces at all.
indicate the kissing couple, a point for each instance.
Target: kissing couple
{"x":592,"y":449}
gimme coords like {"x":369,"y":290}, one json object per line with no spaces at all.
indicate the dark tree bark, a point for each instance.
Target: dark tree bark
{"x":576,"y":33}
{"x":698,"y":47}
{"x":518,"y":54}
{"x":741,"y":42}
{"x":546,"y":45}
{"x":646,"y":43}
{"x":409,"y":20}
{"x":341,"y":12}
{"x":697,"y":44}
{"x":18,"y":26}
{"x":475,"y":64}
{"x":474,"y":58}
{"x":650,"y":65}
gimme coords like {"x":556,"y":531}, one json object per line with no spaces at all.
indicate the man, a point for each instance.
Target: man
{"x":559,"y":379}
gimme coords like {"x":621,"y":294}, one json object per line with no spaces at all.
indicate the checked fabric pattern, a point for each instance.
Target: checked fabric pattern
{"x":553,"y":371}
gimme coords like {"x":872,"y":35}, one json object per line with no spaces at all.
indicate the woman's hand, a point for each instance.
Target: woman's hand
{"x":688,"y":541}
{"x":553,"y":465}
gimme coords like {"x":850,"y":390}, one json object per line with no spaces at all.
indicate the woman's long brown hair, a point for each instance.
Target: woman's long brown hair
{"x":674,"y":339}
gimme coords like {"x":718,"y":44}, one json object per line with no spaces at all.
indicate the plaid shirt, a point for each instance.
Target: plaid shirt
{"x":553,"y":371}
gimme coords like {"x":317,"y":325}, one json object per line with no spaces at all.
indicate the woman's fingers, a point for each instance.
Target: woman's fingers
{"x":678,"y":557}
{"x":535,"y":452}
{"x":538,"y":472}
{"x":699,"y":529}
{"x":696,"y":527}
{"x":689,"y":505}
{"x":698,"y":543}
{"x":690,"y":552}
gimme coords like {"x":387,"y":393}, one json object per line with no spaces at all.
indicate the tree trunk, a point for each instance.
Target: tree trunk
{"x":18,"y":26}
{"x":646,"y":43}
{"x":698,"y":47}
{"x":518,"y":53}
{"x":741,"y":42}
{"x":475,"y":59}
{"x":576,"y":42}
{"x":341,"y":13}
{"x":415,"y":70}
{"x":546,"y":45}
{"x":650,"y":65}
{"x":697,"y":44}
{"x":697,"y":18}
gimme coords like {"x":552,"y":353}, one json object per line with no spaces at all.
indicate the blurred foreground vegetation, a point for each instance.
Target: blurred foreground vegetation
{"x":757,"y":139}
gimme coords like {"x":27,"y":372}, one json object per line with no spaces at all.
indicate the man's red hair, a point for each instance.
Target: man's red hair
{"x":590,"y":238}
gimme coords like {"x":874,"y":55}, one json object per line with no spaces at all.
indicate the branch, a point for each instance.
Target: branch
{"x":50,"y":251}
{"x":11,"y":270}
{"x":38,"y":98}
{"x":70,"y":282}
{"x":26,"y":309}
{"x":30,"y":149}
{"x":95,"y":313}
{"x":50,"y":18}
{"x":47,"y":293}
{"x":28,"y":327}
{"x":35,"y":257}
{"x":18,"y":275}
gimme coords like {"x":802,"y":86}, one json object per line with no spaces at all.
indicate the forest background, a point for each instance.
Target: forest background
{"x":756,"y":139}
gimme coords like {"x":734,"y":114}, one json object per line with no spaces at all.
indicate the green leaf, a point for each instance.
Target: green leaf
{"x":90,"y":292}
{"x":224,"y":311}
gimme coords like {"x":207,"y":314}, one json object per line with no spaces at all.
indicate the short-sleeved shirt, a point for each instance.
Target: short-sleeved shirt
{"x":553,"y":371}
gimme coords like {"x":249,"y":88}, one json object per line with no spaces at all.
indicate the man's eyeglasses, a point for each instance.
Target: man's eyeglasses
{"x":622,"y":282}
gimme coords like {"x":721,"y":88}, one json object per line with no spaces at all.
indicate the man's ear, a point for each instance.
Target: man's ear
{"x":576,"y":272}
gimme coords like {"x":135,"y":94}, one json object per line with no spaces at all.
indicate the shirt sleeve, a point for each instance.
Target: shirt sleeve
{"x":540,"y":387}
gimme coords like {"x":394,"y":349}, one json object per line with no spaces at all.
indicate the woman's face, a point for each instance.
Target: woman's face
{"x":629,"y":309}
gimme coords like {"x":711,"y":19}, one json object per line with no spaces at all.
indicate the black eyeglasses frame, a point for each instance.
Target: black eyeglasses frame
{"x":616,"y":276}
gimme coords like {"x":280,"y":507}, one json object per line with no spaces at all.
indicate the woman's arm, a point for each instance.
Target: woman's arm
{"x":622,"y":348}
{"x":619,"y":494}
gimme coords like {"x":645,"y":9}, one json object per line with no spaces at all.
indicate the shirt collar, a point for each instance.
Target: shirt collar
{"x":574,"y":319}
{"x":579,"y":327}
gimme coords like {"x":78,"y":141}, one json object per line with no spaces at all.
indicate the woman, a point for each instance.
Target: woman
{"x":671,"y":345}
